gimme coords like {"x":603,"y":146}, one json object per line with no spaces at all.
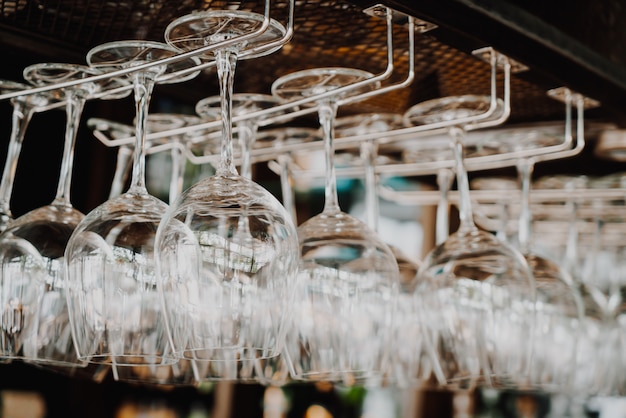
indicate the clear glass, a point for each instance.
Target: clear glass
{"x":227,"y":249}
{"x":595,"y":244}
{"x":445,"y":179}
{"x":478,"y":293}
{"x":159,"y":122}
{"x":115,"y":308}
{"x":559,"y":306}
{"x":562,"y":233}
{"x":532,"y":137}
{"x":47,"y":229}
{"x":243,"y":103}
{"x":409,"y":352}
{"x":281,"y":137}
{"x":123,"y":163}
{"x":505,"y":227}
{"x":24,"y":107}
{"x":348,"y":278}
{"x":17,"y":300}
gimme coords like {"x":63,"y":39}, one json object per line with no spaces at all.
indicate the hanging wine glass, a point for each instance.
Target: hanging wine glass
{"x":409,"y":363}
{"x":11,"y":315}
{"x":560,"y":237}
{"x":600,"y":280}
{"x":114,"y":306}
{"x":477,"y":291}
{"x":17,"y":299}
{"x":24,"y":107}
{"x":348,"y":277}
{"x":559,"y":306}
{"x":181,"y":372}
{"x":46,"y":231}
{"x":227,"y":249}
{"x":368,"y":157}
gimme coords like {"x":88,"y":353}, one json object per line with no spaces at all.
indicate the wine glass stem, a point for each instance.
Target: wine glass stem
{"x":571,"y":247}
{"x":368,"y":156}
{"x":525,"y":168}
{"x":74,"y":109}
{"x":226,"y":60}
{"x":444,"y":182}
{"x":143,"y":85}
{"x":124,"y":154}
{"x":465,"y":204}
{"x":286,"y":186}
{"x":501,"y":233}
{"x":326,"y":113}
{"x":178,"y":172}
{"x":596,"y":243}
{"x":22,"y":114}
{"x":247,"y":133}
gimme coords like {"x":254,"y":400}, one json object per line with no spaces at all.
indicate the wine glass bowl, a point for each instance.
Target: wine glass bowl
{"x":228,"y":249}
{"x":21,"y":291}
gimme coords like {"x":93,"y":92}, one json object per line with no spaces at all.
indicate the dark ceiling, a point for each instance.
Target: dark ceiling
{"x":546,"y":36}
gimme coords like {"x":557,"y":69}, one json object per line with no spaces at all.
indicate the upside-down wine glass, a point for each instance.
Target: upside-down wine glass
{"x":47,"y":229}
{"x":600,"y":279}
{"x":227,"y":248}
{"x":115,"y":309}
{"x":409,"y":363}
{"x":558,"y":309}
{"x":14,"y":299}
{"x":477,"y":291}
{"x":348,"y":278}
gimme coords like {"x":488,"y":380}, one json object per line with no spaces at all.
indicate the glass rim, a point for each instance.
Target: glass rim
{"x":421,"y":110}
{"x":302,"y":74}
{"x":211,"y":106}
{"x":145,"y":45}
{"x":231,"y":14}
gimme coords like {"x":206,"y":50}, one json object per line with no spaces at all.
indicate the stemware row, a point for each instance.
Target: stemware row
{"x":221,"y":283}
